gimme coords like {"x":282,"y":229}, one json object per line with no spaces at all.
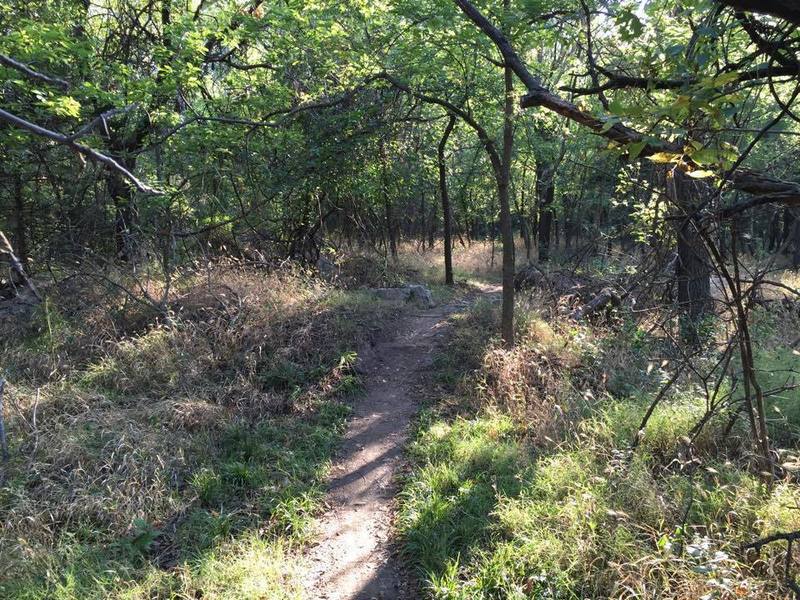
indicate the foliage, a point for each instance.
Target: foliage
{"x":495,"y":508}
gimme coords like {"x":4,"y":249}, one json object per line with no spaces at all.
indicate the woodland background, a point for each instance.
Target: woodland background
{"x":198,"y":196}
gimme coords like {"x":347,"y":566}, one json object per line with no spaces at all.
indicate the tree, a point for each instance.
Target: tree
{"x":688,"y":154}
{"x":447,"y":213}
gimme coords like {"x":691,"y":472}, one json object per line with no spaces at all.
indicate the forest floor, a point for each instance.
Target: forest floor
{"x":356,"y":556}
{"x":288,"y":437}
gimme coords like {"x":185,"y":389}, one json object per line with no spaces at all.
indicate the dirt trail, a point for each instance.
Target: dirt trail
{"x":354,"y":557}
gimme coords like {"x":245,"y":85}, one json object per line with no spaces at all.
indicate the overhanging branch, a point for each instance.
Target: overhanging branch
{"x":452,"y":109}
{"x":618,"y":81}
{"x":538,"y":95}
{"x":788,"y":10}
{"x":769,"y":189}
{"x":9,"y":62}
{"x":86,"y":151}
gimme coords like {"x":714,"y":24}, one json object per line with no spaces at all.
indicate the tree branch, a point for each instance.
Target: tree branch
{"x":31,"y":74}
{"x":86,"y":151}
{"x":769,"y":189}
{"x":788,"y":10}
{"x":101,"y":119}
{"x":769,"y":48}
{"x":538,"y":95}
{"x":452,"y":109}
{"x":617,"y":81}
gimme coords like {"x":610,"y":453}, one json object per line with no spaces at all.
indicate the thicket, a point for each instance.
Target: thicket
{"x":533,"y":476}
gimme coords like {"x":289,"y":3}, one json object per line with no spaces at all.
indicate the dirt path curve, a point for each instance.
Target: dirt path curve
{"x":354,"y":558}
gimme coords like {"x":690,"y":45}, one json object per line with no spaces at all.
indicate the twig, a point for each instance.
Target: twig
{"x":790,"y":538}
{"x":34,"y":427}
{"x":3,"y":441}
{"x":665,"y":388}
{"x":16,"y":265}
{"x":775,"y":537}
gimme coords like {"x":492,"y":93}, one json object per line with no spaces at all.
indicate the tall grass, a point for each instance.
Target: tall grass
{"x":183,"y":459}
{"x":524,"y":485}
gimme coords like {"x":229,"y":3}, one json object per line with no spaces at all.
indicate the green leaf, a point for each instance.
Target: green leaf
{"x":630,"y":25}
{"x":616,"y":107}
{"x":635,"y":149}
{"x":705,"y":156}
{"x":64,"y":106}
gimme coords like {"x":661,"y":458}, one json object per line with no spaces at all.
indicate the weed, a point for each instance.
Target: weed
{"x":524,"y":484}
{"x":179,"y":461}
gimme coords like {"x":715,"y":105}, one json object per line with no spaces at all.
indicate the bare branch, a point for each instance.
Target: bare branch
{"x":31,"y":74}
{"x":86,"y":151}
{"x":617,"y":81}
{"x":16,"y":265}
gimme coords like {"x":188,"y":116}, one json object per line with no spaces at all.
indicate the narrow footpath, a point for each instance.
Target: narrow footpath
{"x":355,"y":558}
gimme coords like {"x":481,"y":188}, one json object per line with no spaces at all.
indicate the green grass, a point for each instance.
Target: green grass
{"x":257,"y":490}
{"x":177,"y":462}
{"x":467,"y":465}
{"x":779,"y":367}
{"x":491,"y":509}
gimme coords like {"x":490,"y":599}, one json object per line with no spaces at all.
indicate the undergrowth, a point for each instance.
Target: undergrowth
{"x":525,"y":482}
{"x":177,"y":459}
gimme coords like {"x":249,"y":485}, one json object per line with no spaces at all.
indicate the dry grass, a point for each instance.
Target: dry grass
{"x":127,"y":431}
{"x":526,"y":381}
{"x":480,"y":260}
{"x":524,"y":484}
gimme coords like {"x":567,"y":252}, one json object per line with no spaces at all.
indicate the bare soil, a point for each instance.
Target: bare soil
{"x":355,"y":557}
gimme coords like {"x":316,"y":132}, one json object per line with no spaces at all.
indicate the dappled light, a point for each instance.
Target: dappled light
{"x":399,"y":300}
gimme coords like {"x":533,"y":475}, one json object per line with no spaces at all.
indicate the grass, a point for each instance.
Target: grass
{"x":475,"y":263}
{"x":243,"y":509}
{"x":176,"y":461}
{"x":523,"y":483}
{"x":187,"y":460}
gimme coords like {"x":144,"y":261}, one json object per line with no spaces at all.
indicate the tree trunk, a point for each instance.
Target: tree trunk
{"x":20,"y":226}
{"x":422,"y":229}
{"x":793,"y":237}
{"x":125,"y":213}
{"x":507,"y":318}
{"x":774,"y":231}
{"x":432,"y":226}
{"x":122,"y":148}
{"x":387,"y":204}
{"x":446,"y":212}
{"x":607,"y":297}
{"x":545,"y":192}
{"x":522,"y":211}
{"x":789,"y":238}
{"x":692,"y":270}
{"x":568,"y":224}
